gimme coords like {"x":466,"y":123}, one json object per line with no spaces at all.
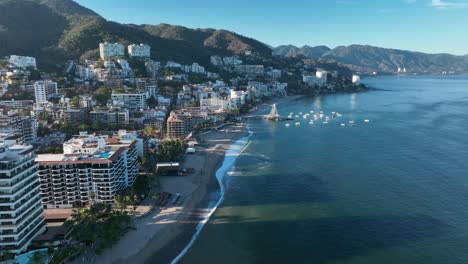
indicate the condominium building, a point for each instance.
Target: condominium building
{"x":74,"y":117}
{"x":91,"y":168}
{"x":20,"y":198}
{"x":17,"y":104}
{"x":130,"y":100}
{"x":110,"y":50}
{"x":44,"y":90}
{"x":356,"y":79}
{"x":22,"y":61}
{"x":175,"y":127}
{"x":17,"y":124}
{"x":140,"y":51}
{"x":110,"y":117}
{"x":182,"y":122}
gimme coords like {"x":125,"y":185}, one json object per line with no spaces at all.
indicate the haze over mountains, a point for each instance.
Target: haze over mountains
{"x":367,"y":59}
{"x":58,"y":30}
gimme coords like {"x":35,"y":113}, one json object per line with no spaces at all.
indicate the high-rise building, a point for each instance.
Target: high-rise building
{"x":110,"y":50}
{"x":20,"y":198}
{"x":182,"y":122}
{"x":23,"y":126}
{"x":44,"y":90}
{"x":91,"y":168}
{"x":140,"y":51}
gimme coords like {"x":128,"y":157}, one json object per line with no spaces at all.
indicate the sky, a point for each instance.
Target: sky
{"x":432,"y":26}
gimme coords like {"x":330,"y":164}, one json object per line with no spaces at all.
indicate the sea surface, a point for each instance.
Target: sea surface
{"x":394,"y":190}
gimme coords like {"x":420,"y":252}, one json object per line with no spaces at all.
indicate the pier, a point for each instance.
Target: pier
{"x":272,"y":116}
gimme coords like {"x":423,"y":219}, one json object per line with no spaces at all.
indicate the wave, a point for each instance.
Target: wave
{"x":230,"y":158}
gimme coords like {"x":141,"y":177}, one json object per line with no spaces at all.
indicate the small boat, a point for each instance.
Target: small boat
{"x":366,"y":120}
{"x":300,"y":113}
{"x":311,"y":122}
{"x":296,"y":116}
{"x":342,"y":124}
{"x":325,"y":122}
{"x":351,"y":122}
{"x":312,"y":111}
{"x":298,"y":124}
{"x":287,"y":125}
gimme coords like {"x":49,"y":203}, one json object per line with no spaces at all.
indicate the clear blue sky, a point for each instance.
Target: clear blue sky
{"x":421,"y":25}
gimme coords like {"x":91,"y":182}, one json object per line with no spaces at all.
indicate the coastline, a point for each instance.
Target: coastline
{"x":162,"y":235}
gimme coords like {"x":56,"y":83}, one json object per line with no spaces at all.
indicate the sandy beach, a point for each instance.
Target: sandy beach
{"x":162,"y":233}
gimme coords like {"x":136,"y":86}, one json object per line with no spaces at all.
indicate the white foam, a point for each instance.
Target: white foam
{"x":229,"y":159}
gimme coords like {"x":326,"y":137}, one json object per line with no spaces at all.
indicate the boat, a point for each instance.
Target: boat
{"x":296,"y":116}
{"x":298,"y":124}
{"x":325,"y":122}
{"x":300,"y":113}
{"x":287,"y":125}
{"x":311,"y":122}
{"x":366,"y":120}
{"x":342,"y":124}
{"x":351,"y":122}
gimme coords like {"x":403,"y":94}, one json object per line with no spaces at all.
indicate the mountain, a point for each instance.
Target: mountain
{"x":58,"y":30}
{"x":367,"y":59}
{"x":306,"y":51}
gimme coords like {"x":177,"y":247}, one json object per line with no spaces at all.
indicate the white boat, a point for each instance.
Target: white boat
{"x":287,"y":125}
{"x":312,"y":111}
{"x":311,"y":122}
{"x":296,"y":116}
{"x":366,"y":120}
{"x":325,"y":122}
{"x":300,"y":113}
{"x":351,"y":122}
{"x":298,"y":124}
{"x":342,"y":124}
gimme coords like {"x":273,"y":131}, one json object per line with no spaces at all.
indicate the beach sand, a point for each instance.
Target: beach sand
{"x":163,"y":233}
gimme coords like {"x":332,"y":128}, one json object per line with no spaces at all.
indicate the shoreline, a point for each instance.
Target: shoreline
{"x":164,"y":234}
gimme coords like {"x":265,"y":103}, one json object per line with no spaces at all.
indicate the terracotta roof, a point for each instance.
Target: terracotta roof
{"x":174,"y":119}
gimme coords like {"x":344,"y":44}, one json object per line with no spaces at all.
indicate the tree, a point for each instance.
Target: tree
{"x":120,"y":202}
{"x":152,"y":102}
{"x":75,"y":101}
{"x":102,"y":95}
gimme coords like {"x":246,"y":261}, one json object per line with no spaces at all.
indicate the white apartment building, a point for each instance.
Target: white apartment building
{"x":90,"y":164}
{"x":196,"y":68}
{"x":356,"y":79}
{"x":131,"y":101}
{"x":22,"y":61}
{"x":20,"y":199}
{"x":322,"y":76}
{"x":109,"y":50}
{"x":140,"y":51}
{"x":44,"y":90}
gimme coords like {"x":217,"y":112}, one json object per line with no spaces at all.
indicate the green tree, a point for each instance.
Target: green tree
{"x":102,"y":95}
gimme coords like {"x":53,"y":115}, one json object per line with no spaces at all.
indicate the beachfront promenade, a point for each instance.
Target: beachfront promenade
{"x":162,"y":226}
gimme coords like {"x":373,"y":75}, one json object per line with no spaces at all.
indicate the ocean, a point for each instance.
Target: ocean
{"x":391,"y":190}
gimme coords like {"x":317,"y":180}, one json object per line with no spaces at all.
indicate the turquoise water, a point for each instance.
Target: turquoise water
{"x":394,"y":190}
